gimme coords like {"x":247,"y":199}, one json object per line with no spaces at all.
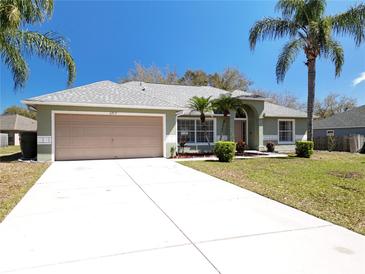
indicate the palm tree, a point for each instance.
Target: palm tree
{"x":225,"y":104}
{"x":309,"y":30}
{"x":202,"y":105}
{"x":15,"y":42}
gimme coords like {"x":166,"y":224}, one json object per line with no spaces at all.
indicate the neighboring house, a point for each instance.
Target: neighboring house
{"x":14,"y":124}
{"x":136,"y":119}
{"x":341,"y":124}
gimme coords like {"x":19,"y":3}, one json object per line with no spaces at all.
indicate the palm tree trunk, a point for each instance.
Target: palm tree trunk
{"x":311,"y":94}
{"x":206,"y":134}
{"x":222,"y":129}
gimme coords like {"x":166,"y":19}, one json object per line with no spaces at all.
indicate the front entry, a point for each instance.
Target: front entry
{"x":240,"y":131}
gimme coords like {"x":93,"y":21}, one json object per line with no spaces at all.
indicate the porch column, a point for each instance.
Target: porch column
{"x":231,"y":125}
{"x":261,"y":134}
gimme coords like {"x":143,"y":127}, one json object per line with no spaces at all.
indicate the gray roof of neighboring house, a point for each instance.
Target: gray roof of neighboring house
{"x":274,"y":110}
{"x":15,"y":122}
{"x":348,"y":119}
{"x":146,"y":95}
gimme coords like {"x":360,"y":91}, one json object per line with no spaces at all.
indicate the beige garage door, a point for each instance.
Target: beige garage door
{"x":80,"y":137}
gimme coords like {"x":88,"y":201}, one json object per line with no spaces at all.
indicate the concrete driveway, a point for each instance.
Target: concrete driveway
{"x":156,"y":216}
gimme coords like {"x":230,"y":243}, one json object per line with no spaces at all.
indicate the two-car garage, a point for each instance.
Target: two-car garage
{"x":92,"y":136}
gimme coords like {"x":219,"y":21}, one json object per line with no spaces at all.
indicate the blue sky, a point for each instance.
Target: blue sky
{"x":107,"y":37}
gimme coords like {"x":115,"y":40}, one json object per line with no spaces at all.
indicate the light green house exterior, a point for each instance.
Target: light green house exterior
{"x":261,"y":119}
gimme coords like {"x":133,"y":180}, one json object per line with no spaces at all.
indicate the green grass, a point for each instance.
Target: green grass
{"x":16,"y":179}
{"x":9,"y":150}
{"x":330,"y":185}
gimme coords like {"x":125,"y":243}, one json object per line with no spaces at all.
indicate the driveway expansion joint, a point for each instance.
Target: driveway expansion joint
{"x":264,"y":233}
{"x":94,"y":258}
{"x":172,"y":221}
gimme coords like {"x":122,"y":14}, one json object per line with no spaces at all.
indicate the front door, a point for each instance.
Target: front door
{"x":240,"y":131}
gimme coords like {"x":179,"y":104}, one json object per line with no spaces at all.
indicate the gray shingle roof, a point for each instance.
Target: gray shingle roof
{"x":352,"y":118}
{"x":274,"y":110}
{"x":176,"y":94}
{"x":146,"y":95}
{"x":17,"y":122}
{"x":104,"y":93}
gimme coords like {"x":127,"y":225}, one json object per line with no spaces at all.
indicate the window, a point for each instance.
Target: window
{"x":286,"y":131}
{"x":330,"y":132}
{"x":192,"y":130}
{"x":186,"y":130}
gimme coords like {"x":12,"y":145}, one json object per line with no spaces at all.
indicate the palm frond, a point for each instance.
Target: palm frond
{"x":272,"y":28}
{"x":287,"y":57}
{"x":314,"y":9}
{"x":14,"y":60}
{"x":225,"y":103}
{"x":201,"y":104}
{"x":48,"y":46}
{"x":351,"y":22}
{"x":289,"y":7}
{"x":334,"y":50}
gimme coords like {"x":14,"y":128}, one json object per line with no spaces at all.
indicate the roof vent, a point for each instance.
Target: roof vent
{"x":142,"y":87}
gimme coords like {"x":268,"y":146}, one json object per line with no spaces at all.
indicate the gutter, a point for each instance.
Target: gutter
{"x":35,"y":103}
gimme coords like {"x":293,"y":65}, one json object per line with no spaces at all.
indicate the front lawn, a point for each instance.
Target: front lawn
{"x":9,"y":150}
{"x":16,"y":178}
{"x":330,"y":185}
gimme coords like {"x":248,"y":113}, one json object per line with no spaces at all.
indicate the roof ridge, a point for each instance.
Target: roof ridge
{"x":178,"y":85}
{"x":151,"y":96}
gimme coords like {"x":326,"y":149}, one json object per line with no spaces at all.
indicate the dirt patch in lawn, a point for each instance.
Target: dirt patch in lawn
{"x":346,"y":175}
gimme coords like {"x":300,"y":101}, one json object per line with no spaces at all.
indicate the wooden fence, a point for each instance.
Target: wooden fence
{"x":352,"y":143}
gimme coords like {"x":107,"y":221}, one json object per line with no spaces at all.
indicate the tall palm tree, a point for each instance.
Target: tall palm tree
{"x":310,"y":31}
{"x":15,"y":42}
{"x":202,"y":105}
{"x":225,"y":104}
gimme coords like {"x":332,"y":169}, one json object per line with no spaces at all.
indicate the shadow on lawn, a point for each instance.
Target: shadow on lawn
{"x":11,"y":157}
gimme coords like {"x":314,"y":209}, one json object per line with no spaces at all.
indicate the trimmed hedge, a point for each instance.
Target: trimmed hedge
{"x":304,"y":148}
{"x":225,"y":150}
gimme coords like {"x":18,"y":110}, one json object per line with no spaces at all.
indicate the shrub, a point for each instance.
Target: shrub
{"x":304,"y":148}
{"x":270,"y":147}
{"x":240,"y":147}
{"x":224,"y":150}
{"x":362,"y":150}
{"x":172,"y":151}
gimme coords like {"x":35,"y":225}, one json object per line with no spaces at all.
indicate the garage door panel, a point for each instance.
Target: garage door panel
{"x":104,"y":136}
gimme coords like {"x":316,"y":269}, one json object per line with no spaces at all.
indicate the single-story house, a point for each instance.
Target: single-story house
{"x":14,"y":124}
{"x":346,"y":123}
{"x":136,"y":119}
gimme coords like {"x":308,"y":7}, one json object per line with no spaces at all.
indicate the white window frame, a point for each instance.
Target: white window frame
{"x":330,"y":132}
{"x":195,"y":137}
{"x":293,"y":132}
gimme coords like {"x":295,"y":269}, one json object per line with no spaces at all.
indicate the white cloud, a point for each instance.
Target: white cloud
{"x":359,"y":79}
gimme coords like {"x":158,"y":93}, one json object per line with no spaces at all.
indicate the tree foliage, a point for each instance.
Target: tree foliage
{"x":225,"y":104}
{"x":151,"y":74}
{"x":202,"y":105}
{"x":286,"y":99}
{"x":21,"y":111}
{"x":230,"y":79}
{"x":312,"y":32}
{"x":15,"y":43}
{"x":332,"y":104}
